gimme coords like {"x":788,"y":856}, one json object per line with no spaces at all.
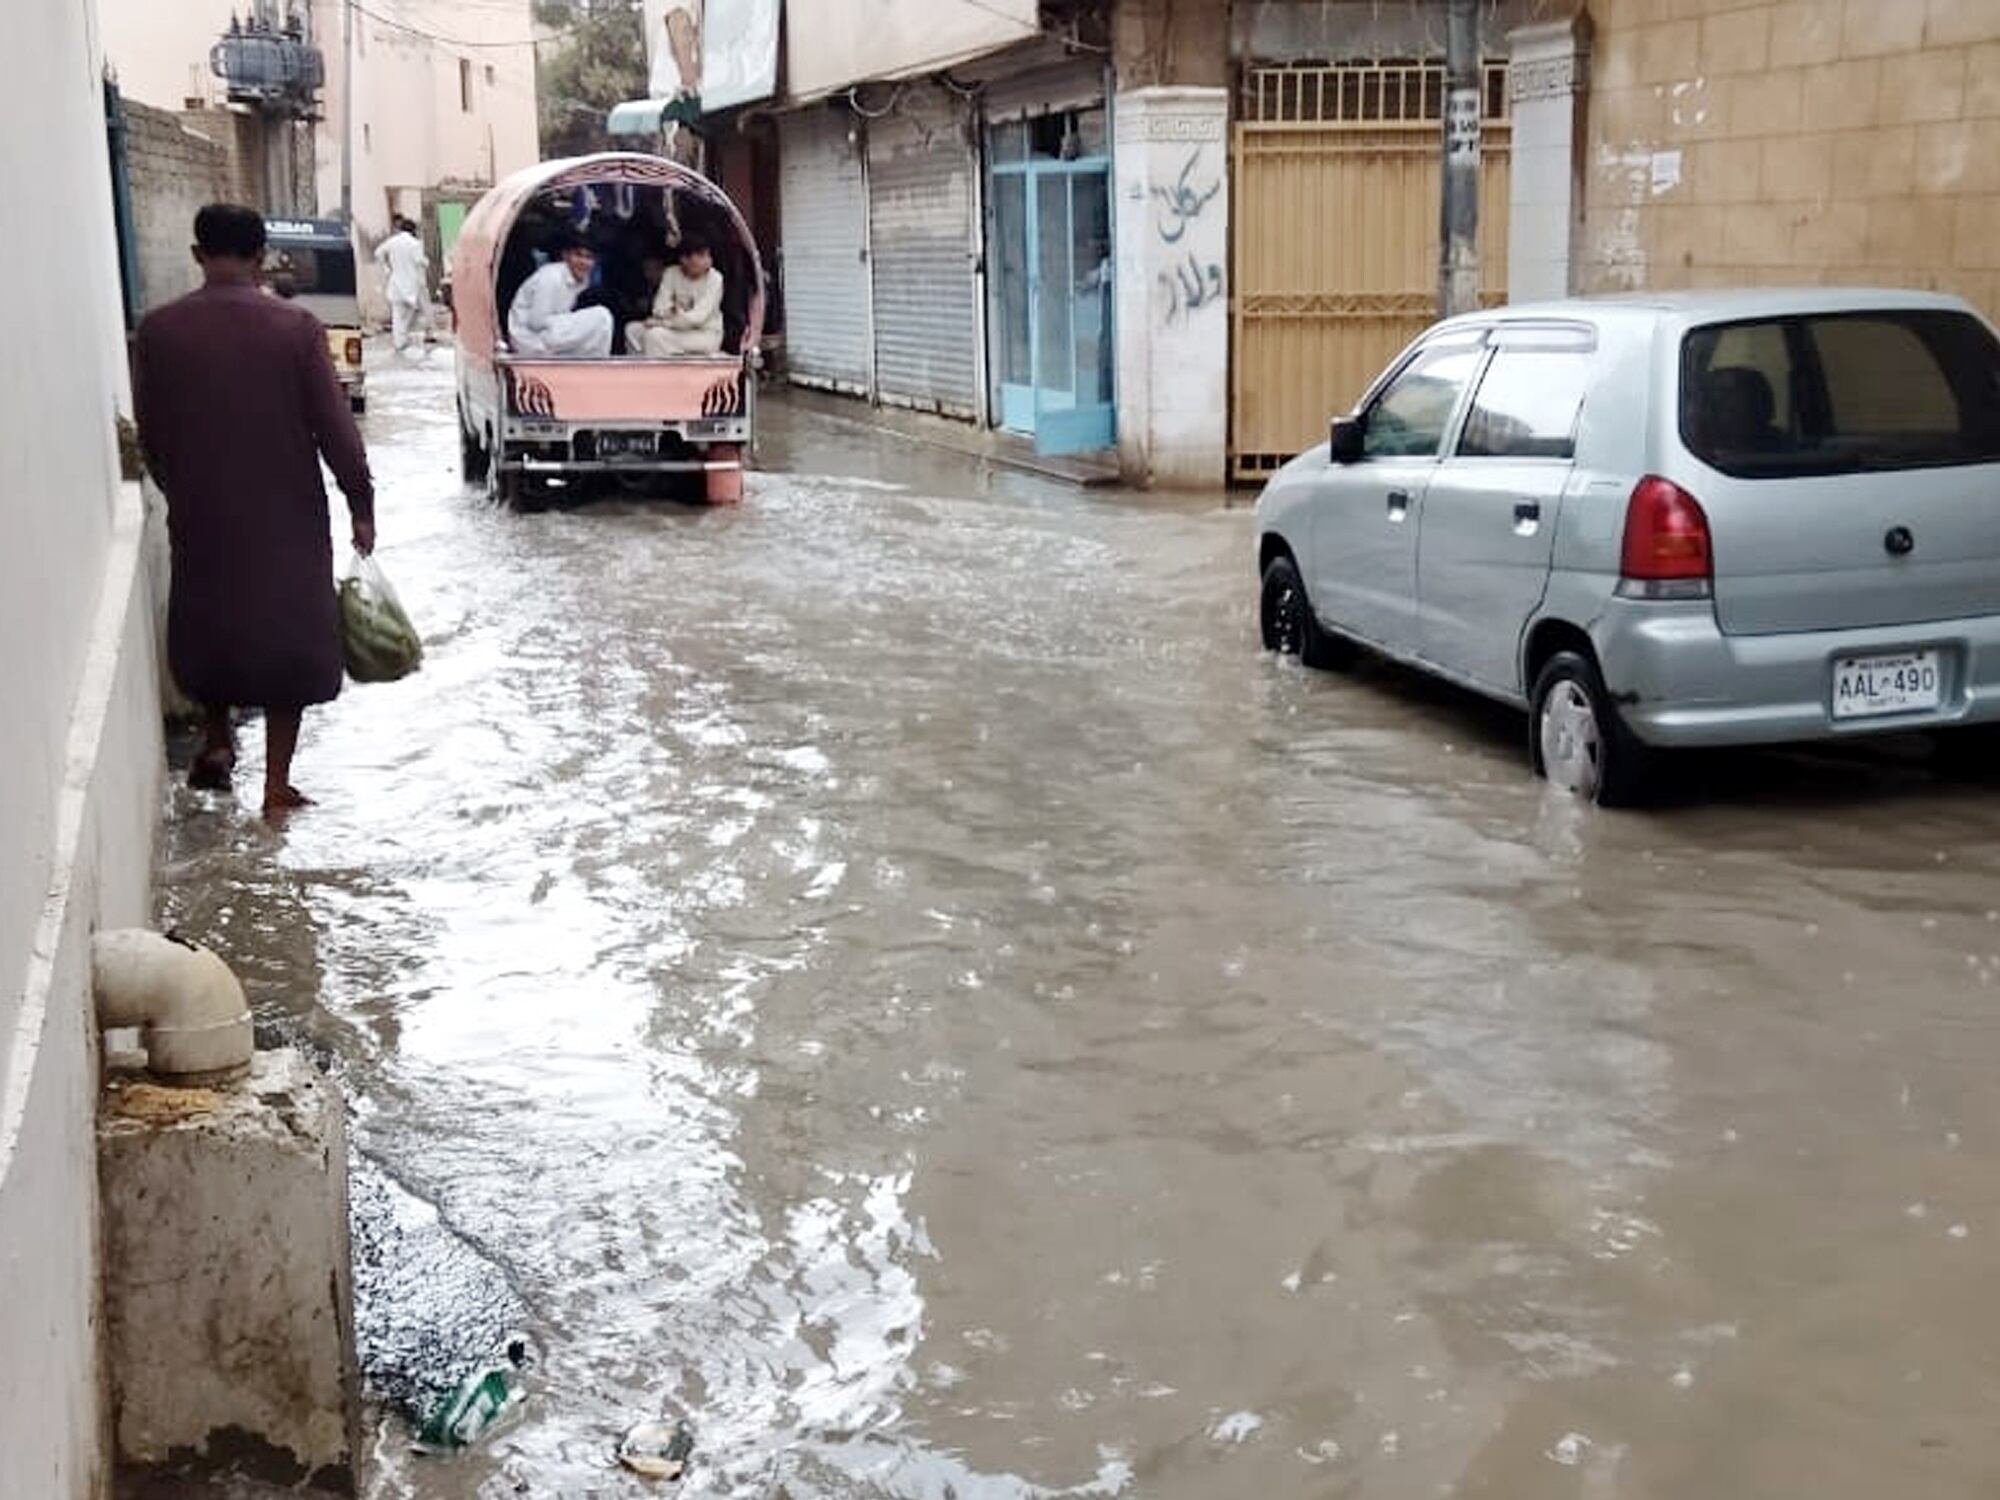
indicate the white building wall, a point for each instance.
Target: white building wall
{"x":1170,"y":166}
{"x":81,"y":741}
{"x":412,"y":129}
{"x":159,"y":52}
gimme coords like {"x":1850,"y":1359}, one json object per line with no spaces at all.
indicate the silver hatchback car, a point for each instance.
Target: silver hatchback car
{"x":1678,"y":520}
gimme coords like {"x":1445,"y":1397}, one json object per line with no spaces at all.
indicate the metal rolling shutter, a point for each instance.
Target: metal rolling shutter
{"x":824,"y":232}
{"x":922,"y":245}
{"x":1043,"y":91}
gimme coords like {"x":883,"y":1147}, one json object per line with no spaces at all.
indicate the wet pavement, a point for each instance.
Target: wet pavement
{"x":894,"y":974}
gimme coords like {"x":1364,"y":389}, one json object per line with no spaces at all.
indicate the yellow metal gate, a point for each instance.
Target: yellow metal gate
{"x":1336,"y":239}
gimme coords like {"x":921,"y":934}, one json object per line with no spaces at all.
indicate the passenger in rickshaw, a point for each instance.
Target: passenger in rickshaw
{"x":545,"y":321}
{"x":687,"y":311}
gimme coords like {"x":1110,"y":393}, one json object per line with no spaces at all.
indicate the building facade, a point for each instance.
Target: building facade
{"x":979,"y":219}
{"x":1758,"y":143}
{"x":1627,"y":145}
{"x":81,"y":739}
{"x":443,"y":106}
{"x":443,"y":102}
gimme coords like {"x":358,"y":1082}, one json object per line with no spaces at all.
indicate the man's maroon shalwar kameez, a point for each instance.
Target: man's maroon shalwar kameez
{"x":237,"y":402}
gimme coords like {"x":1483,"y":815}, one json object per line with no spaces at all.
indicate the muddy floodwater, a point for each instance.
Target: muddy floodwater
{"x":893,"y":975}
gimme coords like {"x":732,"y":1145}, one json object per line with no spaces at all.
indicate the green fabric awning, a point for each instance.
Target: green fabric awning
{"x":650,"y":116}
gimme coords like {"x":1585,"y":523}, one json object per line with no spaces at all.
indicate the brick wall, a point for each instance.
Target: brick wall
{"x":1761,"y":142}
{"x":173,"y":173}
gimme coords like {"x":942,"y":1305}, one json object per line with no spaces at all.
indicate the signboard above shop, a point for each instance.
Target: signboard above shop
{"x":723,"y":53}
{"x":833,"y":46}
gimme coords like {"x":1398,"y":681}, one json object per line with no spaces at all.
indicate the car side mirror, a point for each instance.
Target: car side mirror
{"x":1344,"y":443}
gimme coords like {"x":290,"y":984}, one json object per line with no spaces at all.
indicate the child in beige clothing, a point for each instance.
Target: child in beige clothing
{"x":687,"y":312}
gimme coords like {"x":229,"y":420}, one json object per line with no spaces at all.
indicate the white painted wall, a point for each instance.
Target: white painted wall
{"x":411,"y":127}
{"x":1547,"y":77}
{"x":81,"y":741}
{"x":160,"y":51}
{"x":828,"y":46}
{"x":1170,"y":169}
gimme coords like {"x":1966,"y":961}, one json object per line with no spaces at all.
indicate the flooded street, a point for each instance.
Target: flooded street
{"x":894,"y":974}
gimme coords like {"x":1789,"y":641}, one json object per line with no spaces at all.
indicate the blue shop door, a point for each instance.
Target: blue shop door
{"x":1074,"y":341}
{"x":1053,"y":339}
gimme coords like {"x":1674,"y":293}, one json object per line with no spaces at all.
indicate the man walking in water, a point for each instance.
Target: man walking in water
{"x":402,"y":259}
{"x":237,"y":404}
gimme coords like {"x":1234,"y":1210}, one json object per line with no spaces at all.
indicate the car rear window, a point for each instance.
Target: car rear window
{"x":298,"y":270}
{"x":1841,"y":392}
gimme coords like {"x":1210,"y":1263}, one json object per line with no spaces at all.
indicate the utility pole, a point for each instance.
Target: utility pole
{"x":347,"y":112}
{"x":1458,"y":228}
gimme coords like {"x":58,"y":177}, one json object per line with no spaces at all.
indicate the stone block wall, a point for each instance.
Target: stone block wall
{"x":1767,"y":142}
{"x":174,"y":172}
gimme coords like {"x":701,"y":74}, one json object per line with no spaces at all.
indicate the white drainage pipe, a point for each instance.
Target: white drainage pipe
{"x":184,"y":998}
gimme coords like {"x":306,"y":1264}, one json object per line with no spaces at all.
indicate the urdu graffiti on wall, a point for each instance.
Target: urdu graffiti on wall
{"x":1183,"y":202}
{"x":1188,"y":285}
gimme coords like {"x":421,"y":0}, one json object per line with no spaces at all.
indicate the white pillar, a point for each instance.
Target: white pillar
{"x":1171,"y":170}
{"x":1547,"y":68}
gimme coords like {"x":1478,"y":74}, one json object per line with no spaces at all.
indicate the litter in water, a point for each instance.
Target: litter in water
{"x":657,"y":1450}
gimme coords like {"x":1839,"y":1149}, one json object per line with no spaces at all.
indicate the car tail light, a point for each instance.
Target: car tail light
{"x":1667,"y":554}
{"x":354,"y":351}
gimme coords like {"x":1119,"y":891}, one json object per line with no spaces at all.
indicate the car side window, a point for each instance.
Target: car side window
{"x":1409,"y":418}
{"x":1527,"y":405}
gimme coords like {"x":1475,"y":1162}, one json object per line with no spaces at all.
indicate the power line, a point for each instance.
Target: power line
{"x":449,"y":41}
{"x":1030,"y":28}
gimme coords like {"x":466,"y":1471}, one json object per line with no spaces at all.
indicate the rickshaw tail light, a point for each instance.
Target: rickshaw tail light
{"x":354,"y":351}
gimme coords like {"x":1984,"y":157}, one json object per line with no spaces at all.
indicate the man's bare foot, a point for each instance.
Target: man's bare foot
{"x":210,"y":771}
{"x":281,"y":800}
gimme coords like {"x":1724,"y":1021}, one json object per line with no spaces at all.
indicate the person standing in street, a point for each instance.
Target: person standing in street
{"x":237,"y":403}
{"x":406,"y":267}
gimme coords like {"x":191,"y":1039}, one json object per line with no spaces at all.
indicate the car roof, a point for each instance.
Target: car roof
{"x":1691,"y":308}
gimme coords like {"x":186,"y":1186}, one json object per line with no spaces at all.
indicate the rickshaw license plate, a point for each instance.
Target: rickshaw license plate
{"x":626,"y":445}
{"x":1908,"y":682}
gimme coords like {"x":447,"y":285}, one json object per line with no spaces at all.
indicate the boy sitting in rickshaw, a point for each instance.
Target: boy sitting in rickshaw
{"x":687,"y":310}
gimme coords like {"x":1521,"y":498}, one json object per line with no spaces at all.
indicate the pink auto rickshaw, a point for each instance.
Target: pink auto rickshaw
{"x":535,"y":429}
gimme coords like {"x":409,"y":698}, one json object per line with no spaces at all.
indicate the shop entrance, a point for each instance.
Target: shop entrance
{"x":1049,"y":191}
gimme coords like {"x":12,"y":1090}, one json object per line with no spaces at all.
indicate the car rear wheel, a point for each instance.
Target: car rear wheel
{"x":508,"y":488}
{"x":1286,"y":616}
{"x":1578,"y":740}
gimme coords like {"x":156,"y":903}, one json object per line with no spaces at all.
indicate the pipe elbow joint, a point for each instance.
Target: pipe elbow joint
{"x":187,"y":1003}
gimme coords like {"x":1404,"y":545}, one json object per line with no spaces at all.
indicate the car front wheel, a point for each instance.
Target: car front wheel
{"x":1578,"y":740}
{"x":1286,"y":616}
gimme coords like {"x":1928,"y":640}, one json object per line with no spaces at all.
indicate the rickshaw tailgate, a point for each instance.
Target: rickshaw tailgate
{"x":624,"y":390}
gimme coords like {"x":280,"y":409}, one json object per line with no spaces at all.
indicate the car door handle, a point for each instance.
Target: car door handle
{"x":1399,"y":504}
{"x":1527,"y":517}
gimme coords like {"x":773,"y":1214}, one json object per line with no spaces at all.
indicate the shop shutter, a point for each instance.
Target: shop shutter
{"x":824,"y":232}
{"x":1043,"y":91}
{"x":922,"y":249}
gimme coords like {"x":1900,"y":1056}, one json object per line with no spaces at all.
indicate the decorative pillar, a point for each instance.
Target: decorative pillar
{"x":1548,"y":68}
{"x":1171,"y":179}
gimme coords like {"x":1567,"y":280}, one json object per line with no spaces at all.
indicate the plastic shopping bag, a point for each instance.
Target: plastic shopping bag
{"x":377,"y":640}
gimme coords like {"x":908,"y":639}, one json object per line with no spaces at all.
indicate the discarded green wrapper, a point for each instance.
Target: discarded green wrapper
{"x":480,"y":1400}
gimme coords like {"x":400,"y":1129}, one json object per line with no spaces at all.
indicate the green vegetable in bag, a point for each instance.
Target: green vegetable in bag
{"x":377,"y":640}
